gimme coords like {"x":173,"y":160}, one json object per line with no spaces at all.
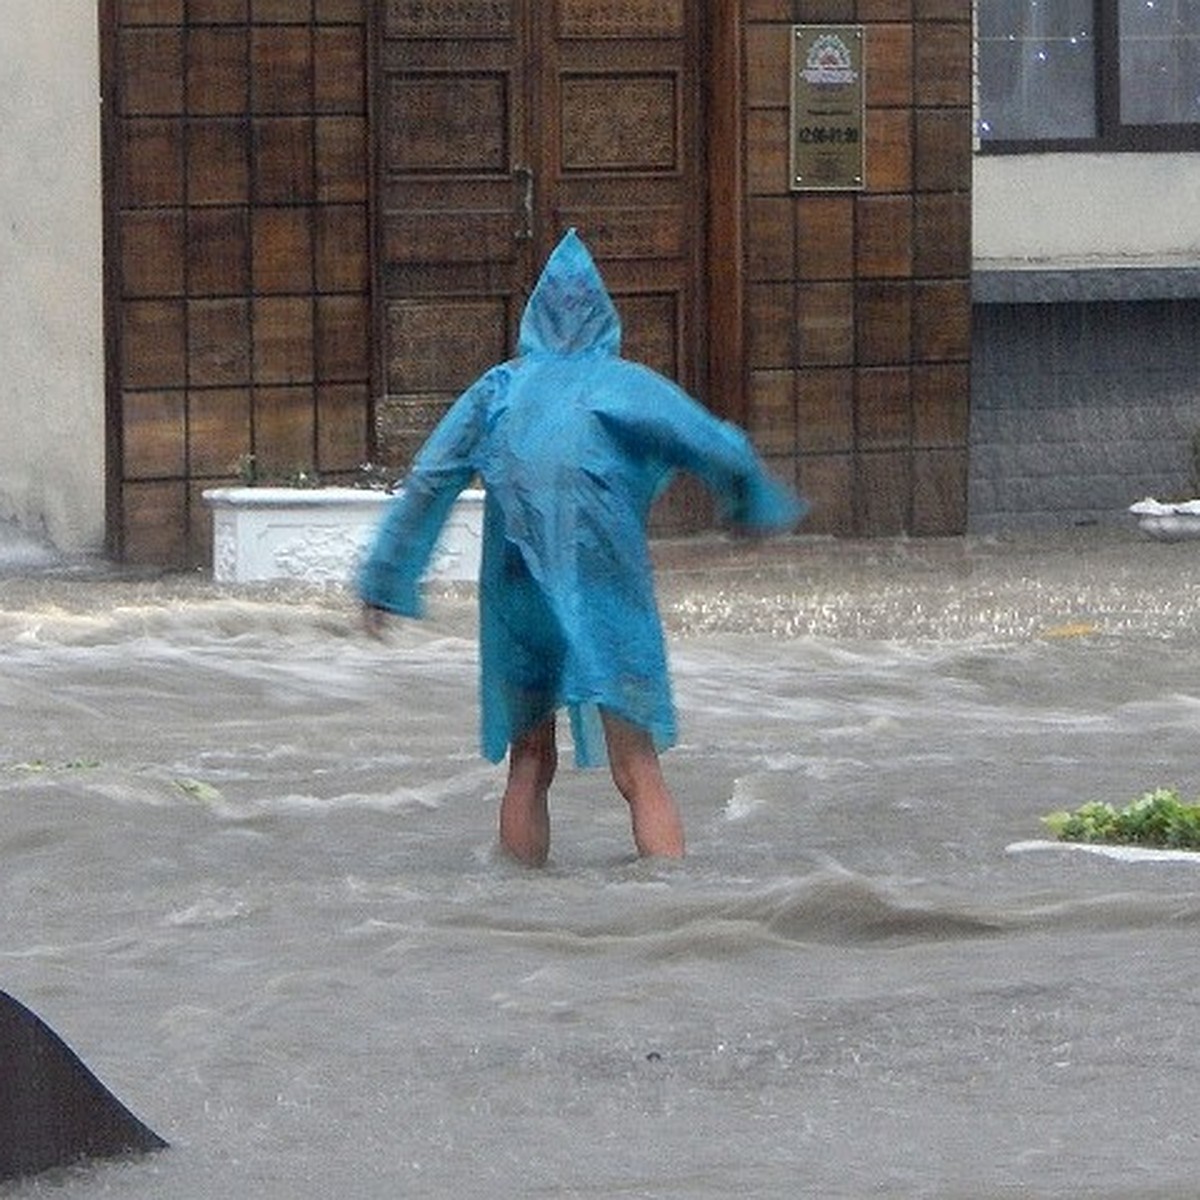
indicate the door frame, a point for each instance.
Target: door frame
{"x":724,"y":255}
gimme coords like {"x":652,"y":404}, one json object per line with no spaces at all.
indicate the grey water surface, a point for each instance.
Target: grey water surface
{"x":247,"y":870}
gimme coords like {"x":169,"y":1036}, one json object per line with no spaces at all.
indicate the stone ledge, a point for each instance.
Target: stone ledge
{"x":1024,"y":282}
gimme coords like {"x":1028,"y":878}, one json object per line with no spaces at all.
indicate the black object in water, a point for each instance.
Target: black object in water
{"x":53,"y":1110}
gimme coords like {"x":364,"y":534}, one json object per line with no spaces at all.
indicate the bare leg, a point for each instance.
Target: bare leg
{"x":524,"y":809}
{"x":657,"y":826}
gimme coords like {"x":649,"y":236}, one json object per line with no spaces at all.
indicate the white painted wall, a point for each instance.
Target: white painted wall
{"x":1099,"y":208}
{"x":51,"y":322}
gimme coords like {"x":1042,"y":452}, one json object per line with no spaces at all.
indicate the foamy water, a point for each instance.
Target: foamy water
{"x":247,"y":870}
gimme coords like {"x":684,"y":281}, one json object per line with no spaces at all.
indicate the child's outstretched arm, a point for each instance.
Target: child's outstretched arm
{"x":390,"y":576}
{"x":670,"y":425}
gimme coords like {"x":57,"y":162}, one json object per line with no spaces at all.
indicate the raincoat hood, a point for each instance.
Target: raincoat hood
{"x":570,"y":311}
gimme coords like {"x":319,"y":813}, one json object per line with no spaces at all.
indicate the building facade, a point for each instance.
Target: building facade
{"x":1086,"y":245}
{"x":294,"y":229}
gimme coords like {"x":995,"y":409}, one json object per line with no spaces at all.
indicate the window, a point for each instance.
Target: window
{"x":1160,"y":62}
{"x":1088,"y":74}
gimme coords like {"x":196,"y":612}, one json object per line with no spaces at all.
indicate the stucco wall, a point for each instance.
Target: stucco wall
{"x":1097,"y":207}
{"x":1084,"y":396}
{"x":51,"y":328}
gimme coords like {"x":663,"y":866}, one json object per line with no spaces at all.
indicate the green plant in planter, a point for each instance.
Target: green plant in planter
{"x":252,"y":473}
{"x":378,"y":477}
{"x":1157,"y":818}
{"x":373,"y":476}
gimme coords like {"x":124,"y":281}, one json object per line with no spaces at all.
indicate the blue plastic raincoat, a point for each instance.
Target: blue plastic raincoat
{"x":573,"y":443}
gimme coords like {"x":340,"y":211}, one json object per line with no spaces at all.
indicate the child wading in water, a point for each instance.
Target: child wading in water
{"x":573,"y":443}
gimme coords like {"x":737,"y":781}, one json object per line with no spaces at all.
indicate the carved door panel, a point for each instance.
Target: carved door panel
{"x":619,"y":160}
{"x":454,"y":251}
{"x":502,"y":123}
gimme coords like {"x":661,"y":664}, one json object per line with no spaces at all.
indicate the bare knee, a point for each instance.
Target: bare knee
{"x":534,"y":755}
{"x":632,"y":758}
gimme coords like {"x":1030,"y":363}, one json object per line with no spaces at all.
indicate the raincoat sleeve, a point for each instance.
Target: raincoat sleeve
{"x":390,"y":576}
{"x":685,"y":436}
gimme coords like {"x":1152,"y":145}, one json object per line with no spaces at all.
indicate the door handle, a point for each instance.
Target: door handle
{"x":523,"y":206}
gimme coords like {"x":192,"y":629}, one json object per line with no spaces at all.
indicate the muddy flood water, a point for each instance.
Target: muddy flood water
{"x":248,"y":872}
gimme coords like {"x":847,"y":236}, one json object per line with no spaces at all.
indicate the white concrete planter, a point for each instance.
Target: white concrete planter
{"x":1168,"y":522}
{"x":319,"y":535}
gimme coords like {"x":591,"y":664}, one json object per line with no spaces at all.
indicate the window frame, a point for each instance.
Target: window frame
{"x":1111,"y":135}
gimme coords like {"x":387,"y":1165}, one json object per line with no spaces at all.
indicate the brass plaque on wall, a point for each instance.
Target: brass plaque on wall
{"x":827,"y":130}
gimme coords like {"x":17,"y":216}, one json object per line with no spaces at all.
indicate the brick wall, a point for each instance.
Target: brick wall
{"x":237,"y":251}
{"x":858,"y":304}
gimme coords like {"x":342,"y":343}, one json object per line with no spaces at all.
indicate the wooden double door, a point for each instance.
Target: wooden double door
{"x":501,"y":124}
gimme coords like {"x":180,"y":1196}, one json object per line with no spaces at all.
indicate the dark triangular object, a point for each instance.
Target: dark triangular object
{"x":53,"y":1110}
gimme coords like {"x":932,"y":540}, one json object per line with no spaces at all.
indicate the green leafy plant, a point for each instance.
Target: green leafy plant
{"x":373,"y":476}
{"x":38,"y":766}
{"x":378,"y":477}
{"x":1156,"y":818}
{"x":197,"y":789}
{"x":252,"y":473}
